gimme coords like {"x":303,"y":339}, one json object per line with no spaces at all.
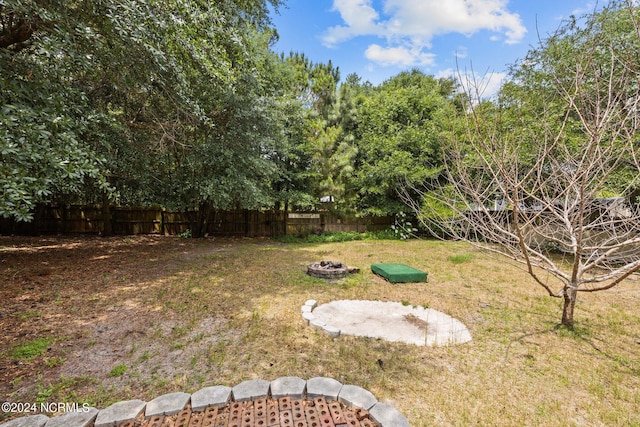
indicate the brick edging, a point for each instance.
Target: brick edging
{"x":172,"y":403}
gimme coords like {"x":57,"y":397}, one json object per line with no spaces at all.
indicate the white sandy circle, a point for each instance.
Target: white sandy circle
{"x":392,"y":321}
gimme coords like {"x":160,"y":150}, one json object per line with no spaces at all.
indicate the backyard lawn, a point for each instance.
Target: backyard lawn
{"x":97,"y":320}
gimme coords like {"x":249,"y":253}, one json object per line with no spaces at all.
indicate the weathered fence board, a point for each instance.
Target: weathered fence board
{"x":357,"y":224}
{"x":136,"y":221}
{"x":314,"y":222}
{"x":174,"y":223}
{"x":155,"y":220}
{"x":303,"y":222}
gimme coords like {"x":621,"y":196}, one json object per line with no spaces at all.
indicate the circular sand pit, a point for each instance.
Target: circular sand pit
{"x":391,"y":321}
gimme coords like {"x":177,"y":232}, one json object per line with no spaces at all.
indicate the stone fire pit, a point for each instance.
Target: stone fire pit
{"x":330,"y":270}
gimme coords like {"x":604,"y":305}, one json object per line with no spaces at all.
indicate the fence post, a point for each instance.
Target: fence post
{"x":286,"y":218}
{"x":107,"y":226}
{"x":162,"y":230}
{"x":65,"y":213}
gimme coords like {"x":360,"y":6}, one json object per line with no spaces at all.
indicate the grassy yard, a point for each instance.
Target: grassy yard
{"x":99,"y":320}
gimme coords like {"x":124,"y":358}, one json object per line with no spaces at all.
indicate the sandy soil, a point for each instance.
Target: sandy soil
{"x":88,"y":296}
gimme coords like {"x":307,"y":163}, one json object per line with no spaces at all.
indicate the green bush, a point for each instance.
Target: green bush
{"x":339,"y":236}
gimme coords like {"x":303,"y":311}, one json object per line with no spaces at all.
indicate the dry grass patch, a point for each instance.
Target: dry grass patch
{"x":184,"y":314}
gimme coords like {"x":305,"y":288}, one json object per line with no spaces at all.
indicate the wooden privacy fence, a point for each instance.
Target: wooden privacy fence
{"x":155,"y":220}
{"x":316,"y":222}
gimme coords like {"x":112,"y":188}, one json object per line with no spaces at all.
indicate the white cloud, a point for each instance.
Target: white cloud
{"x":490,"y":84}
{"x":484,"y":86}
{"x":398,"y":56}
{"x":461,"y":52}
{"x":449,"y":73}
{"x":360,"y":19}
{"x":427,"y":18}
{"x":588,"y":8}
{"x":410,"y":25}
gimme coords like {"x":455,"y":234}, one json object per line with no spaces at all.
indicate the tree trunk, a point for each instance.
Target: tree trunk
{"x":107,"y":229}
{"x":570,"y":295}
{"x":286,"y":217}
{"x":202,"y":217}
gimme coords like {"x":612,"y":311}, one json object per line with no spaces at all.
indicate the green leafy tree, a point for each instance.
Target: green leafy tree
{"x":400,"y":131}
{"x":294,"y":181}
{"x":129,"y":96}
{"x":335,"y":149}
{"x":45,"y":120}
{"x":322,"y":151}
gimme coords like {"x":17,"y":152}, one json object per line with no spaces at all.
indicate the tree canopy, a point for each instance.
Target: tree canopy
{"x":116,"y":96}
{"x":185,"y":104}
{"x":401,"y":128}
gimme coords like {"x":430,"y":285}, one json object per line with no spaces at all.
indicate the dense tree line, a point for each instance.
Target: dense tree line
{"x":165,"y":102}
{"x":185,"y":104}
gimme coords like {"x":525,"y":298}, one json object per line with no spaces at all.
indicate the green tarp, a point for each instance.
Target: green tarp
{"x":399,"y":273}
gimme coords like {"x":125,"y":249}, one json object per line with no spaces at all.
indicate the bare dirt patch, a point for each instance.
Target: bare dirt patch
{"x":94,"y":300}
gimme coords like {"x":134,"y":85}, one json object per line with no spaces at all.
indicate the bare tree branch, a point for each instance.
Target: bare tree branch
{"x":546,"y":178}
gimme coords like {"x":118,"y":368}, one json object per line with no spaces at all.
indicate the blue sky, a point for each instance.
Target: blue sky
{"x":377,"y":39}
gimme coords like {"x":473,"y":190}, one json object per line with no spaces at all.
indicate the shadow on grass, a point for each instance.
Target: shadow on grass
{"x":581,"y":333}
